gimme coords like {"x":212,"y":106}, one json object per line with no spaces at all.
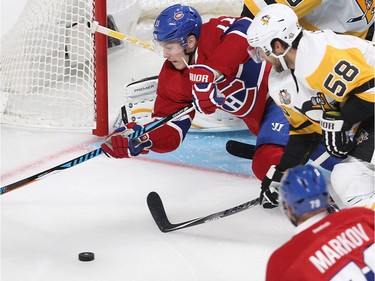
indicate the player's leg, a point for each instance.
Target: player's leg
{"x":271,"y":140}
{"x":353,"y":179}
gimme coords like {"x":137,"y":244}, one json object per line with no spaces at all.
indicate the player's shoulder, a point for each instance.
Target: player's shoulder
{"x":318,"y":49}
{"x":351,"y":215}
{"x":357,"y":211}
{"x":311,"y":49}
{"x":229,"y":24}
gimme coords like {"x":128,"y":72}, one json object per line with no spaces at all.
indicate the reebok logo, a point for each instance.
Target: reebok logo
{"x":277,"y":126}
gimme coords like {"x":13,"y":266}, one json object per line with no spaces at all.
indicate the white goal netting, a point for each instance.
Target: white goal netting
{"x":47,"y":66}
{"x":47,"y":63}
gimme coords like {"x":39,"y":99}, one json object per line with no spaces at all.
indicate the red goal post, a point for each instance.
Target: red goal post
{"x":53,"y":69}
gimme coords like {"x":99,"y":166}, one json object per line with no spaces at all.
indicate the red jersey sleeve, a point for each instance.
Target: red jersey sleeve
{"x":173,"y":94}
{"x":225,"y":45}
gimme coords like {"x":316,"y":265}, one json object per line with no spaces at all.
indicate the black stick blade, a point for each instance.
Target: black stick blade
{"x":240,"y":149}
{"x":160,"y":217}
{"x":157,"y":211}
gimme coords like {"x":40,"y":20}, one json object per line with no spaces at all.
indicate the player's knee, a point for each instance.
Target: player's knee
{"x":265,"y":156}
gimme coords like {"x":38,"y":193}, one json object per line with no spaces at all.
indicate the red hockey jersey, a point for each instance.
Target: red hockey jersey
{"x":337,"y":247}
{"x":245,"y":88}
{"x":223,"y":46}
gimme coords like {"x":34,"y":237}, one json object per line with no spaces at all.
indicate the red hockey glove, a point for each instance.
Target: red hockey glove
{"x":118,"y":145}
{"x":206,"y":95}
{"x":335,"y":136}
{"x":269,"y":195}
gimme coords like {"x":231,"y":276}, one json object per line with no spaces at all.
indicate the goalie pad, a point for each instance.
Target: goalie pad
{"x":139,"y":102}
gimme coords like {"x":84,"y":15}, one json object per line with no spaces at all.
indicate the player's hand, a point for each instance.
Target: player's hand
{"x":269,"y":195}
{"x":118,"y":144}
{"x":335,"y":135}
{"x":206,"y":95}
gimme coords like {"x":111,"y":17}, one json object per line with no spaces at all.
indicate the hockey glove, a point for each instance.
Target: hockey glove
{"x":269,"y":195}
{"x":335,"y":134}
{"x":206,"y":95}
{"x":118,"y":145}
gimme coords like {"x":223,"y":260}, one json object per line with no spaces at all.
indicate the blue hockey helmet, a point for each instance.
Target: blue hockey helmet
{"x":177,"y":22}
{"x":304,"y":189}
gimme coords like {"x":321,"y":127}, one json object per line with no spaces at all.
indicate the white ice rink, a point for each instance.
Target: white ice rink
{"x":100,"y":206}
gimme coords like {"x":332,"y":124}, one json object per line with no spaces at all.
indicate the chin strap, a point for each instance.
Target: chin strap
{"x":191,"y":55}
{"x":282,"y":60}
{"x":283,"y":63}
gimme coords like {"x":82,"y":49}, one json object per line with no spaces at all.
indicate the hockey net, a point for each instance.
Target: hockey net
{"x":53,"y":69}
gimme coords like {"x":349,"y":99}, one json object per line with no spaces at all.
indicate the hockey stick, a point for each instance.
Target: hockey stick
{"x":150,"y":127}
{"x":160,"y":217}
{"x":95,"y":27}
{"x":240,"y":149}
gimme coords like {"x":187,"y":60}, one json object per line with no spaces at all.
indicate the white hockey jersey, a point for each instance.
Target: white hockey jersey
{"x":336,"y":65}
{"x":342,"y":16}
{"x":302,"y":106}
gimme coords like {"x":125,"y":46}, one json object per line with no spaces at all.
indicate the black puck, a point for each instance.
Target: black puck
{"x":86,"y":256}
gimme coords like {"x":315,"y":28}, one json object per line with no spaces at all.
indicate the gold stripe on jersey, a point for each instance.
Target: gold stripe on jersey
{"x":301,"y":7}
{"x":309,"y":26}
{"x":340,"y":72}
{"x":305,"y":7}
{"x":299,"y":123}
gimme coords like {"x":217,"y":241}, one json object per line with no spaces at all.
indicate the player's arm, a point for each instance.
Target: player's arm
{"x":165,"y":139}
{"x":304,"y":136}
{"x":173,"y":94}
{"x":231,"y":50}
{"x":346,"y":75}
{"x":298,"y":150}
{"x":219,"y":55}
{"x":169,"y":137}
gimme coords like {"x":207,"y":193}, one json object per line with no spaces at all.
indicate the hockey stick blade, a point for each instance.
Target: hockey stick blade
{"x":240,"y":149}
{"x":160,"y":217}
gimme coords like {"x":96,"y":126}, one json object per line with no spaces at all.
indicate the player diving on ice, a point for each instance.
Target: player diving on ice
{"x":207,"y":65}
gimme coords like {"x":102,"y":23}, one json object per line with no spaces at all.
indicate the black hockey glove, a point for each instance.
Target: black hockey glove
{"x":269,"y":195}
{"x":335,"y":134}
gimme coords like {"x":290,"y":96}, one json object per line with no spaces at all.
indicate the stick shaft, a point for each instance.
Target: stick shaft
{"x":124,"y":37}
{"x":157,"y":210}
{"x":150,"y":127}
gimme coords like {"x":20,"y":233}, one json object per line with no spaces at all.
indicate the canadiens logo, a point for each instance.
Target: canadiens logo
{"x":179,"y":15}
{"x":265,"y":19}
{"x":362,"y":136}
{"x":284,"y":97}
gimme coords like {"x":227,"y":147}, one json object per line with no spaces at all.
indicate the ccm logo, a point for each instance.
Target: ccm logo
{"x":198,"y":78}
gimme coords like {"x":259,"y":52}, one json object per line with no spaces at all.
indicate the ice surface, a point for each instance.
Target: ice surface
{"x":100,"y":205}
